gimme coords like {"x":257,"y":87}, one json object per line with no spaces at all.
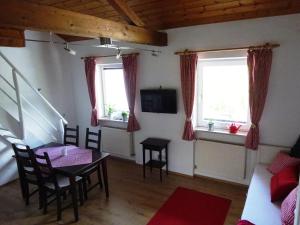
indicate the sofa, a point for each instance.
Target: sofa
{"x":258,"y":208}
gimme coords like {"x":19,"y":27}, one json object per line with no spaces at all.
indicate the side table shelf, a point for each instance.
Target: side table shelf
{"x":156,"y":164}
{"x":158,"y":145}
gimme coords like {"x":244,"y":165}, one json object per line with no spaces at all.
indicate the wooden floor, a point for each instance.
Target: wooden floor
{"x":133,"y":200}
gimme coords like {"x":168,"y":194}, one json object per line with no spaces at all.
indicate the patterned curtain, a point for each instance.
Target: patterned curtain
{"x":90,"y":68}
{"x":130,"y":75}
{"x":188,"y":64}
{"x":259,"y":65}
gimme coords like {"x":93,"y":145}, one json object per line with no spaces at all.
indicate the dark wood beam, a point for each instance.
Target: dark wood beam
{"x":12,"y":37}
{"x":24,"y":15}
{"x":126,"y":12}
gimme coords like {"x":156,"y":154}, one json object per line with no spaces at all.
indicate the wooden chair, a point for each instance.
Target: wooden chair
{"x":92,"y":142}
{"x":26,"y":171}
{"x":71,"y":135}
{"x":93,"y":137}
{"x":53,"y":183}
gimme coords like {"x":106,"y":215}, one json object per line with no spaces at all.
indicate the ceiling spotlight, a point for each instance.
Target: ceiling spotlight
{"x":154,"y":53}
{"x":118,"y":53}
{"x":105,"y":41}
{"x":71,"y":51}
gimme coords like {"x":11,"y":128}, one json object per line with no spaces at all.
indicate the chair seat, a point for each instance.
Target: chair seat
{"x":62,"y":181}
{"x":28,"y":168}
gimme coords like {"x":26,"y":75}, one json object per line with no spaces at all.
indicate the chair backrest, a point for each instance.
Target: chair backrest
{"x":24,"y":163}
{"x":93,"y":140}
{"x":71,"y":135}
{"x":44,"y":169}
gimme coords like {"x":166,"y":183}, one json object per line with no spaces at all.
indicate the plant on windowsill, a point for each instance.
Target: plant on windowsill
{"x":110,"y":111}
{"x":125,"y":116}
{"x":210,"y":125}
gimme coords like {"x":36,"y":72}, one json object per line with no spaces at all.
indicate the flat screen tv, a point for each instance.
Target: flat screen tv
{"x":159,"y":100}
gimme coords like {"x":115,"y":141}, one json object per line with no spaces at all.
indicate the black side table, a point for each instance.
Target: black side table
{"x":158,"y":145}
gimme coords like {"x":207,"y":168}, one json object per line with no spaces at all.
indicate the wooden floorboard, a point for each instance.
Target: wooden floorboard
{"x":133,"y":200}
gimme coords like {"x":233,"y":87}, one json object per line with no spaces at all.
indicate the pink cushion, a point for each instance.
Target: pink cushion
{"x":283,"y":183}
{"x":288,"y":207}
{"x":245,"y":222}
{"x":281,"y":161}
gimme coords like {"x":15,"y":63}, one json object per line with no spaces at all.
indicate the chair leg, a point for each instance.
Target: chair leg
{"x":80,"y":192}
{"x":45,"y":201}
{"x":89,"y":179}
{"x":64,"y":194}
{"x":84,"y":184}
{"x":26,"y":191}
{"x":99,"y":176}
{"x":22,"y":185}
{"x":58,"y":201}
{"x":40,"y":198}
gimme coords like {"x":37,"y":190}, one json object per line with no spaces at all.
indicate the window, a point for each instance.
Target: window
{"x":112,"y":96}
{"x":222,"y":91}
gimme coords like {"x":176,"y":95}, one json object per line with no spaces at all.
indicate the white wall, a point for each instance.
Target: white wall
{"x":46,"y":66}
{"x":280,"y":124}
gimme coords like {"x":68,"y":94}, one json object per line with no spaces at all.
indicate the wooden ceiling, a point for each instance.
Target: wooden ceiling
{"x":165,"y":14}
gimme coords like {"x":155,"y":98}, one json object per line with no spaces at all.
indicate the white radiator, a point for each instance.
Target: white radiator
{"x":117,"y":141}
{"x":220,"y":160}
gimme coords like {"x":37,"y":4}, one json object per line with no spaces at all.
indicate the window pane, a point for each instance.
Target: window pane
{"x":114,"y":90}
{"x":225,"y":91}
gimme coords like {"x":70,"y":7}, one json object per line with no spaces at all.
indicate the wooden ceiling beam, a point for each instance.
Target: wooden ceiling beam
{"x":126,"y":12}
{"x":46,"y":18}
{"x":12,"y":37}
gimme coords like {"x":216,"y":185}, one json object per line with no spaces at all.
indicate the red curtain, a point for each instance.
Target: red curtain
{"x":259,"y":65}
{"x":90,"y":69}
{"x":130,"y":75}
{"x":188,"y":64}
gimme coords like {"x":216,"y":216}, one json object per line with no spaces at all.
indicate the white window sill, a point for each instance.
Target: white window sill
{"x":221,"y":131}
{"x":106,"y":119}
{"x":107,"y":122}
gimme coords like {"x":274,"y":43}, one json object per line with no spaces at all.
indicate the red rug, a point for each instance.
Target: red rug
{"x":189,"y":207}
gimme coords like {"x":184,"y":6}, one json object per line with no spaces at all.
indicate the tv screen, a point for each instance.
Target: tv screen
{"x":159,"y":100}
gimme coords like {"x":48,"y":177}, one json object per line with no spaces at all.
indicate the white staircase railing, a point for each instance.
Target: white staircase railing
{"x":20,"y":99}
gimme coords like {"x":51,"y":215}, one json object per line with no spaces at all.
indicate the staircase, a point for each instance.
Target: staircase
{"x":26,"y":117}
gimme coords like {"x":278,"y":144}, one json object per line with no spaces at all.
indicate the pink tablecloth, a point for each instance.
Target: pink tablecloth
{"x":75,"y":155}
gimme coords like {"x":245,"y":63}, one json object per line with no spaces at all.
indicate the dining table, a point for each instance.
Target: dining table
{"x":73,"y":163}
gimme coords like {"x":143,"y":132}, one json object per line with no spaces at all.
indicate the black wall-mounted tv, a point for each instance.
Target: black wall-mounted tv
{"x":159,"y":100}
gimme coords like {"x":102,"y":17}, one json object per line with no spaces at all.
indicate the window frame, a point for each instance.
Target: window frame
{"x":102,"y":93}
{"x":198,"y":112}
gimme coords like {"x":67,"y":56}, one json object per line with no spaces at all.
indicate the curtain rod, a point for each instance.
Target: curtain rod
{"x":106,"y":56}
{"x":267,"y":45}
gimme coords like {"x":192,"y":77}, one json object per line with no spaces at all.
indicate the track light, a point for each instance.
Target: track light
{"x":118,"y":53}
{"x":71,"y":51}
{"x":154,"y":53}
{"x":105,"y":41}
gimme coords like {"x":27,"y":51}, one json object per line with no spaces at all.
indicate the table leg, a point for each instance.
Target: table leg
{"x":167,"y":160}
{"x":144,"y":166}
{"x":105,"y":179}
{"x":74,"y":197}
{"x":150,"y":152}
{"x":160,"y":169}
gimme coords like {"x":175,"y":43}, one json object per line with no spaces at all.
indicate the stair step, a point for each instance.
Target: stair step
{"x":5,"y":132}
{"x":10,"y":136}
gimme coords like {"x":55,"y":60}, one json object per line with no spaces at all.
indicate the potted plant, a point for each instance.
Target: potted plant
{"x":210,"y":125}
{"x":124,"y":116}
{"x":110,"y":110}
